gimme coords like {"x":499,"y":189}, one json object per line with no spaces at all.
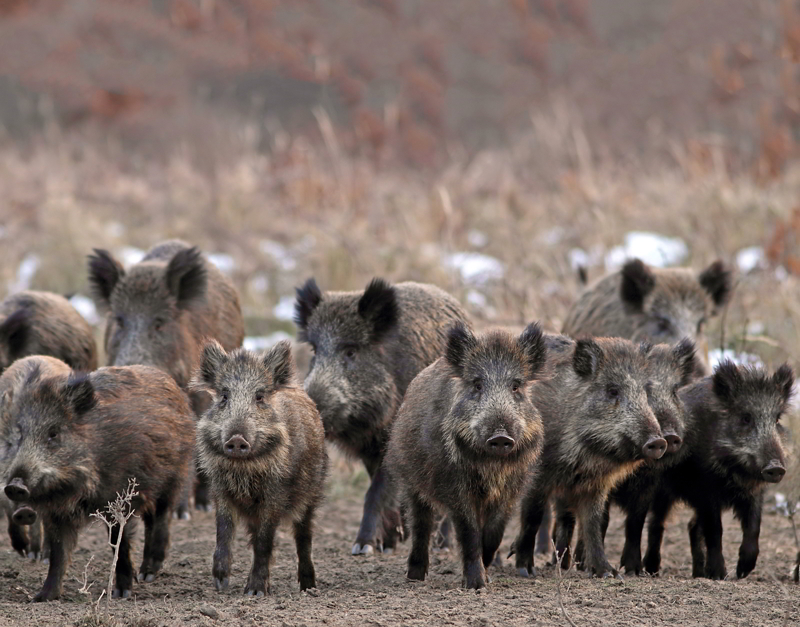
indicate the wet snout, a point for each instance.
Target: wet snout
{"x":16,"y":490}
{"x":773,"y":472}
{"x":237,"y":446}
{"x":500,"y":443}
{"x":24,"y":516}
{"x":674,"y":441}
{"x":655,"y":447}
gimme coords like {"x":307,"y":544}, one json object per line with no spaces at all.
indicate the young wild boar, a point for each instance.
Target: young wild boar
{"x":598,"y":429}
{"x":74,"y":440}
{"x":735,"y":448}
{"x":262,"y":445}
{"x":41,"y":323}
{"x":161,"y":310}
{"x":368,"y":346}
{"x":656,"y":305}
{"x":464,"y":440}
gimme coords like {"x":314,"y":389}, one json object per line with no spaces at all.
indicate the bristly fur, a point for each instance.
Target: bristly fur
{"x":80,"y":392}
{"x":718,"y":281}
{"x":378,"y":306}
{"x":308,"y":297}
{"x":637,"y":282}
{"x":588,"y":357}
{"x":279,"y":362}
{"x":460,"y":342}
{"x":186,"y":276}
{"x":731,"y":381}
{"x":15,"y":332}
{"x":104,"y":273}
{"x":685,"y":352}
{"x":211,"y":361}
{"x":533,"y":345}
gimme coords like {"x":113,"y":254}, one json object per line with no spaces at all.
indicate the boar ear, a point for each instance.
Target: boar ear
{"x":726,"y":380}
{"x":280,"y":363}
{"x":685,"y":356}
{"x":588,"y":357}
{"x":533,"y":346}
{"x":14,"y":332}
{"x":186,"y":276}
{"x":784,"y":379}
{"x":308,"y":297}
{"x":637,"y":282}
{"x":460,"y":341}
{"x":214,"y":356}
{"x":79,"y":392}
{"x":378,"y":306}
{"x":717,"y":280}
{"x":104,"y":273}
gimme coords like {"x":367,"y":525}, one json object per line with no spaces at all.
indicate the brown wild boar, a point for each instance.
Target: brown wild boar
{"x":262,"y":445}
{"x":464,"y":440}
{"x":72,"y":442}
{"x":368,"y":346}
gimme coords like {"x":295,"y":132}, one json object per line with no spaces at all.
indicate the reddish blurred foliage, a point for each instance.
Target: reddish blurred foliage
{"x":784,"y":246}
{"x":728,"y":82}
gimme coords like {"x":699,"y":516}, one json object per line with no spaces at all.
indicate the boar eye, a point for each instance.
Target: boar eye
{"x":747,"y":418}
{"x":52,"y":434}
{"x":259,"y":397}
{"x":663,"y":324}
{"x":612,"y":391}
{"x":223,"y":398}
{"x":477,"y":386}
{"x":350,"y":352}
{"x":515,"y":385}
{"x":120,"y":321}
{"x":158,"y":324}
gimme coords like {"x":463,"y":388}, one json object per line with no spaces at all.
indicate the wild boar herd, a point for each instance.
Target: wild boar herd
{"x":619,"y":409}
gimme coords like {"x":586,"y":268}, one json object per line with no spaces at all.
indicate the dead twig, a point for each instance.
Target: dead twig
{"x":559,"y":558}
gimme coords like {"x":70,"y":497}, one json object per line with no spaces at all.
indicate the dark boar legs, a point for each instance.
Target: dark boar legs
{"x":562,"y":538}
{"x":302,"y":539}
{"x":19,"y":537}
{"x":469,"y":537}
{"x":263,"y":540}
{"x":632,"y":551}
{"x":591,"y":529}
{"x":532,"y":512}
{"x":749,"y":513}
{"x":377,"y":497}
{"x":156,"y":540}
{"x":221,"y":569}
{"x":61,"y":535}
{"x":662,"y":504}
{"x":492,"y":536}
{"x":543,"y":536}
{"x":123,"y":583}
{"x":421,"y":526}
{"x":707,"y":524}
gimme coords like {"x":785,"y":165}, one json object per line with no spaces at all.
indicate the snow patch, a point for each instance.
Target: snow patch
{"x":226,"y":263}
{"x":653,"y":249}
{"x":263,"y":342}
{"x":717,"y":355}
{"x":752,"y":258}
{"x":85,"y":306}
{"x":131,"y":256}
{"x":475,"y":268}
{"x":279,"y":253}
{"x":25,"y":273}
{"x":284,"y":310}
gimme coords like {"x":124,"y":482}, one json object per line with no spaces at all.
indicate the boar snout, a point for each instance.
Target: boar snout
{"x":16,"y":490}
{"x":654,"y":448}
{"x":237,"y":446}
{"x":674,"y":442}
{"x":500,"y":443}
{"x":773,"y":472}
{"x":24,"y":516}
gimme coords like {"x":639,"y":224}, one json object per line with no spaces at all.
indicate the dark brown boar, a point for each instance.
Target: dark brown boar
{"x":42,"y":323}
{"x":463,"y":442}
{"x":735,"y":444}
{"x":599,"y":428}
{"x":262,"y":445}
{"x":161,"y":310}
{"x":656,"y":305}
{"x":74,"y":440}
{"x":368,"y":346}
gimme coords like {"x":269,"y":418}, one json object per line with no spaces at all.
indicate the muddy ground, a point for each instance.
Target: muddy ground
{"x":373,"y":590}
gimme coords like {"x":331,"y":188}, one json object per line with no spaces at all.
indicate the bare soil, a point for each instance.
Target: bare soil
{"x":374,"y":591}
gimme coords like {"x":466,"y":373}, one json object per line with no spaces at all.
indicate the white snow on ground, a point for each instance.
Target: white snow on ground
{"x":284,"y":310}
{"x":716,"y":355}
{"x":130,"y":255}
{"x":751,"y":258}
{"x":475,"y":268}
{"x":259,"y":283}
{"x":25,"y":273}
{"x":783,"y":506}
{"x":477,"y":238}
{"x":263,"y":342}
{"x":578,"y":258}
{"x":85,"y":307}
{"x":279,"y":253}
{"x":653,"y":249}
{"x":226,"y":263}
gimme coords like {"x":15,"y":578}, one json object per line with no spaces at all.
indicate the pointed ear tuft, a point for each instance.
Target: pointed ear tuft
{"x":588,"y":357}
{"x":727,"y":380}
{"x":186,"y":276}
{"x":214,"y":357}
{"x":685,"y":355}
{"x":784,"y":379}
{"x":14,"y":332}
{"x":460,"y":342}
{"x":308,"y":297}
{"x":637,"y":282}
{"x":533,"y":346}
{"x":79,"y":392}
{"x":378,"y":306}
{"x":104,"y":274}
{"x":717,"y":280}
{"x":280,"y":363}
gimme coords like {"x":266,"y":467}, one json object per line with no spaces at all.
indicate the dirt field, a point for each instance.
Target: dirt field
{"x":374,"y":591}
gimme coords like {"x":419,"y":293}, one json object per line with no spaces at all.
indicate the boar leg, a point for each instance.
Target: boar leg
{"x":749,"y":513}
{"x":591,"y":524}
{"x":634,"y":525}
{"x":698,"y":548}
{"x":659,"y":510}
{"x":421,"y":526}
{"x":469,"y":537}
{"x":200,"y":402}
{"x":367,"y":539}
{"x":492,"y":536}
{"x":302,"y":540}
{"x":221,"y":570}
{"x":543,"y":536}
{"x":19,"y":537}
{"x":442,"y":539}
{"x":263,"y":539}
{"x":710,"y":519}
{"x":123,"y":583}
{"x":562,"y":537}
{"x":38,"y":549}
{"x":156,"y":540}
{"x":531,"y":514}
{"x":61,"y":535}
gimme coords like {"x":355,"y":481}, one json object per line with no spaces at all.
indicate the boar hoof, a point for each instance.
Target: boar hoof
{"x":145,"y":577}
{"x":388,"y":551}
{"x":121,"y":594}
{"x":221,"y":584}
{"x":45,"y":595}
{"x":526,"y":571}
{"x":365,"y":549}
{"x":254,"y":593}
{"x":33,"y":556}
{"x":416,"y":572}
